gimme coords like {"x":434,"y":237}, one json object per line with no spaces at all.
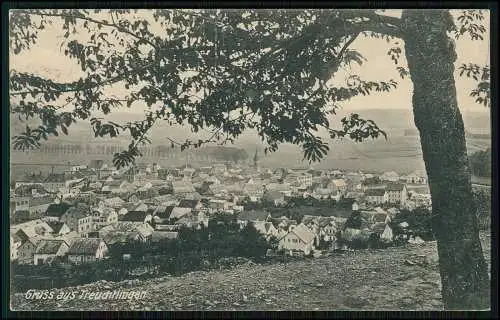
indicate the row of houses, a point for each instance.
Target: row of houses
{"x":148,"y":203}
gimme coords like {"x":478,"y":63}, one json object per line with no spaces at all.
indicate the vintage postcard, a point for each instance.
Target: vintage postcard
{"x":249,"y":159}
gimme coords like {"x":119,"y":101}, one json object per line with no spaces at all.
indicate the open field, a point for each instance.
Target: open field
{"x":398,"y":153}
{"x":397,"y":278}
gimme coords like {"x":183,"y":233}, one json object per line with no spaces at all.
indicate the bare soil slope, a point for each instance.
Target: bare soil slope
{"x":399,"y":278}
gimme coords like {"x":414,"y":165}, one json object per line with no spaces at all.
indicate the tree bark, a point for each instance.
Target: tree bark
{"x":431,"y":55}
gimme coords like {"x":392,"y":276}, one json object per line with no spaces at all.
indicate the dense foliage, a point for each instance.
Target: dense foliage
{"x":223,"y":153}
{"x":480,"y":162}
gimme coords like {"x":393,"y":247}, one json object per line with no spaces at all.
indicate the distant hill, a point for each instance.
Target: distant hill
{"x":398,"y":153}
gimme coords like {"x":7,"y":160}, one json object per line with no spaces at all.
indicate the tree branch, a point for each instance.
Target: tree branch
{"x":101,"y":22}
{"x":377,"y":27}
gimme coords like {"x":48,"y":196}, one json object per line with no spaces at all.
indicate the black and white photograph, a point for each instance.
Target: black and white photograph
{"x":312,"y":159}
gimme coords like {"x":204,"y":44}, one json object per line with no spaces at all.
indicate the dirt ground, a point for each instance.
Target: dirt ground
{"x":399,"y":278}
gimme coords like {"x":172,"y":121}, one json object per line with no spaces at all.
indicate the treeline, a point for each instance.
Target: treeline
{"x":223,"y":153}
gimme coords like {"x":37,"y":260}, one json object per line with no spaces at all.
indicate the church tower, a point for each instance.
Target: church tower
{"x":256,"y":159}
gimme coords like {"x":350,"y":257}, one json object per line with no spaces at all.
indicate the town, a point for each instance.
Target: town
{"x":74,"y":217}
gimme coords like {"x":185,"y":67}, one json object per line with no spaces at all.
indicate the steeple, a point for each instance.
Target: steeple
{"x":256,"y":159}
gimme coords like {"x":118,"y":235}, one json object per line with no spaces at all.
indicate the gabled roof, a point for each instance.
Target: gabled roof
{"x":375,"y":192}
{"x":84,"y":246}
{"x":77,"y":212}
{"x":164,"y":212}
{"x":303,"y":233}
{"x":135,"y":216}
{"x":57,"y":209}
{"x":26,"y":189}
{"x":187,"y":203}
{"x":49,"y":246}
{"x":178,"y":212}
{"x":31,"y":229}
{"x":55,"y":225}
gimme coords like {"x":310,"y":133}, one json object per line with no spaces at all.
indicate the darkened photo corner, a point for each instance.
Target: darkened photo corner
{"x":249,"y":159}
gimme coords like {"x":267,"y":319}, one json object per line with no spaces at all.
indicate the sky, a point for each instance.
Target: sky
{"x":47,"y":59}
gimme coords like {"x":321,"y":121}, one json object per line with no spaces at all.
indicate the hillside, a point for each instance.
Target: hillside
{"x":397,"y":278}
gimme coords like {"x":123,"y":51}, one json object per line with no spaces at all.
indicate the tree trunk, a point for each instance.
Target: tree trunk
{"x":431,"y":55}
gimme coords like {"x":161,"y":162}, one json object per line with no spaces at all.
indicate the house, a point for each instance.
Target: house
{"x":188,"y":220}
{"x":31,"y":229}
{"x":339,"y":184}
{"x":75,"y":185}
{"x":397,"y":193}
{"x":390,"y":176}
{"x":267,"y":229}
{"x":299,"y":238}
{"x":104,"y":216}
{"x":182,"y":187}
{"x":15,"y":243}
{"x":252,"y":216}
{"x":190,"y":203}
{"x":421,"y":200}
{"x":179,"y":212}
{"x":48,"y":250}
{"x":30,"y":179}
{"x":283,"y":224}
{"x":254,"y":191}
{"x":110,"y":185}
{"x":355,"y":206}
{"x":58,"y":228}
{"x":137,"y":216}
{"x":125,"y":231}
{"x":298,"y":178}
{"x":84,"y":250}
{"x":416,"y":177}
{"x":56,"y":210}
{"x":284,"y":188}
{"x":115,"y":203}
{"x":54,"y":182}
{"x":21,"y":203}
{"x":38,"y":205}
{"x":162,"y":214}
{"x":26,"y":250}
{"x":376,"y":196}
{"x":217,"y":205}
{"x":20,"y":216}
{"x":328,"y":228}
{"x":79,"y":218}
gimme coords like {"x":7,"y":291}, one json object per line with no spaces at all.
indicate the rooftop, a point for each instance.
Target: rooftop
{"x":49,"y":246}
{"x":84,"y":246}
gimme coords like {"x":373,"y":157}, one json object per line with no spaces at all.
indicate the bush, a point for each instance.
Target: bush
{"x":482,"y":202}
{"x":480,"y":163}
